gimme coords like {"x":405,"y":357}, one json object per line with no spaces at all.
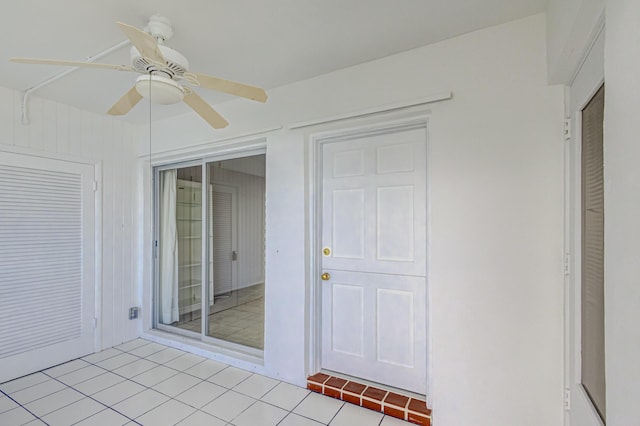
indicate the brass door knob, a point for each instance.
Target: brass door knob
{"x":325,"y":276}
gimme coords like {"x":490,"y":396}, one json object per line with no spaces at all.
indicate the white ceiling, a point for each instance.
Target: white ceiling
{"x":266,"y":43}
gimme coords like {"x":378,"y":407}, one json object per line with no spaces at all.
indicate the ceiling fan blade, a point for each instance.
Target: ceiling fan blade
{"x":205,"y":111}
{"x":71,"y":63}
{"x":125,"y":103}
{"x":145,"y":43}
{"x":231,"y":87}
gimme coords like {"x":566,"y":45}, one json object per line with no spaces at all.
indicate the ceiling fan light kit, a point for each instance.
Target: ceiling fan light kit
{"x":159,"y":90}
{"x":162,"y":69}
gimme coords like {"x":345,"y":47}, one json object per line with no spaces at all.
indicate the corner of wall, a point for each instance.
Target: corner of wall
{"x":572,"y":27}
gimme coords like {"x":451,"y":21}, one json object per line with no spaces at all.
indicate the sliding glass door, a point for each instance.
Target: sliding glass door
{"x":210,"y":229}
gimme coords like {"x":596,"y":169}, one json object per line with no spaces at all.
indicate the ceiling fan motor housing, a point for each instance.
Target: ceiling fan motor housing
{"x":175,"y":67}
{"x":160,"y":28}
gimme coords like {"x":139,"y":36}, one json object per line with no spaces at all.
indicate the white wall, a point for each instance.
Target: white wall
{"x":622,"y":207}
{"x":63,"y":132}
{"x":495,"y":193}
{"x":571,"y":26}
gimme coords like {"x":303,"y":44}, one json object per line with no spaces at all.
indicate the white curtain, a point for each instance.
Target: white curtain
{"x":169,"y":309}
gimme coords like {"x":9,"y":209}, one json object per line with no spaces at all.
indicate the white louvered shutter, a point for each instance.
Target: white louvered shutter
{"x":222,"y":249}
{"x":593,"y":353}
{"x":46,"y":297}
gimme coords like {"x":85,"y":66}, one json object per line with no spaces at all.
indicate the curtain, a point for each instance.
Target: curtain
{"x":169,"y":310}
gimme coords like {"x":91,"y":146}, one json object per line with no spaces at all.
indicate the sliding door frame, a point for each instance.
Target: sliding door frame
{"x":201,"y":337}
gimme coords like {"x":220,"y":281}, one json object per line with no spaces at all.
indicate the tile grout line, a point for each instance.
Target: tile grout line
{"x":87,"y":396}
{"x":130,"y":379}
{"x":150,"y":388}
{"x":336,"y":414}
{"x":109,"y":371}
{"x":22,"y":406}
{"x":137,"y":393}
{"x":240,"y":413}
{"x":306,"y":417}
{"x":67,"y":386}
{"x":287,"y":412}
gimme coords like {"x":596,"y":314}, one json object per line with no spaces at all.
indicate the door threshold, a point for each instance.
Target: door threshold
{"x":390,"y":401}
{"x":236,"y":355}
{"x":366,"y":382}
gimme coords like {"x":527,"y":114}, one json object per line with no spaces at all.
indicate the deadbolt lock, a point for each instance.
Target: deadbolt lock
{"x":325,"y":276}
{"x":326,"y":251}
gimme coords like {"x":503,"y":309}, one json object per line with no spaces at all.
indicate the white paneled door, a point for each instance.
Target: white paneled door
{"x":374,"y":257}
{"x":47,"y":263}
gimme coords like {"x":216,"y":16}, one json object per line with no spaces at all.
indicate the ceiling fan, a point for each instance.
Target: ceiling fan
{"x":162,"y":69}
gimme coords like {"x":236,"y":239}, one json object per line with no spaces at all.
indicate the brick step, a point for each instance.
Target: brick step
{"x":390,"y":403}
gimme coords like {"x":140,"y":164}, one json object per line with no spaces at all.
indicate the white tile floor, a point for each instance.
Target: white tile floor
{"x":144,"y":383}
{"x":240,"y":321}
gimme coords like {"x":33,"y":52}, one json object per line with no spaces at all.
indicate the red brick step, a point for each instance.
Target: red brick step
{"x":392,"y":404}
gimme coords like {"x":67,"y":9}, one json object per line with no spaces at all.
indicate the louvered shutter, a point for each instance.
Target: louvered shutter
{"x":222,"y":246}
{"x":46,"y":272}
{"x":593,"y":355}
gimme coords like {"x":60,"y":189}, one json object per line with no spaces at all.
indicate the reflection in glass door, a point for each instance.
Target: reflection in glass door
{"x":236,"y":250}
{"x":234,"y":241}
{"x":180,"y":248}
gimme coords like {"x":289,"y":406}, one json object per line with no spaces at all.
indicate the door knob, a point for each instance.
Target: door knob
{"x":325,"y":276}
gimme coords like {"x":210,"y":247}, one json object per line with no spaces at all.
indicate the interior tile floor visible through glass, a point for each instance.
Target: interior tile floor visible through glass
{"x":145,"y":383}
{"x":237,"y":318}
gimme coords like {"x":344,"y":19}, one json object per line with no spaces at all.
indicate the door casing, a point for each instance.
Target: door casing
{"x":579,"y":410}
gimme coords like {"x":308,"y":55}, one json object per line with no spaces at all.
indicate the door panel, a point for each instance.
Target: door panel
{"x":347,"y":308}
{"x":348,"y":228}
{"x":374,"y":227}
{"x":395,"y":224}
{"x":374,"y":204}
{"x":374,"y":328}
{"x":395,"y":326}
{"x":47,"y":263}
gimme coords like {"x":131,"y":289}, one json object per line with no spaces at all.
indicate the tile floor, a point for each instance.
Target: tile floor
{"x":145,"y":383}
{"x":239,"y":319}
